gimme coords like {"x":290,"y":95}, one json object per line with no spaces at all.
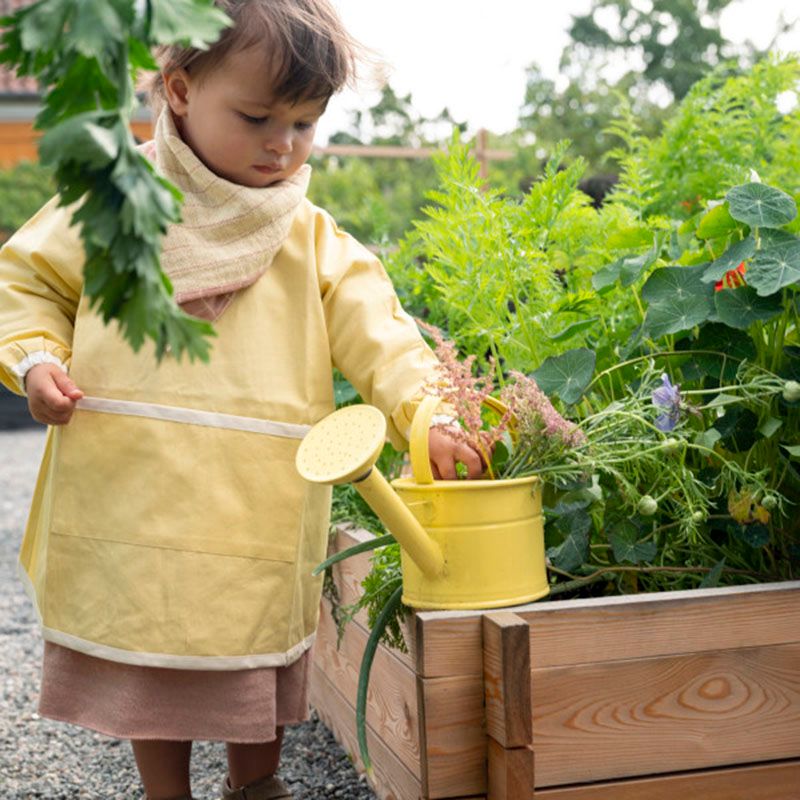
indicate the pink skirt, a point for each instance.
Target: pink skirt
{"x":134,"y":702}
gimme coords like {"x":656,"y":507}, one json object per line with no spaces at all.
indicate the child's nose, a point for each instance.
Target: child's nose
{"x":279,"y":141}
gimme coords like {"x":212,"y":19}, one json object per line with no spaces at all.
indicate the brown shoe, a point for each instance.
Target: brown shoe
{"x":269,"y":788}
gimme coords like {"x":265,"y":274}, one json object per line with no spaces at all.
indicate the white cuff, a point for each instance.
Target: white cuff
{"x":32,"y":360}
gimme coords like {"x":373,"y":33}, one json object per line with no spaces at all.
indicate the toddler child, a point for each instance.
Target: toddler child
{"x":171,"y":541}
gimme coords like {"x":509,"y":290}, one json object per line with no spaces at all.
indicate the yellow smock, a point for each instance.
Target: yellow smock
{"x":169,"y":526}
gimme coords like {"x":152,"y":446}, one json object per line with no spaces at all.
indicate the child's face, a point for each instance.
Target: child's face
{"x":235,"y":127}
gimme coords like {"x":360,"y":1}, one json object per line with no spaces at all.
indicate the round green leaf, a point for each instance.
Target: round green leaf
{"x":566,"y":375}
{"x":741,"y":307}
{"x":775,"y":266}
{"x":761,"y":206}
{"x":730,"y":259}
{"x":678,"y":300}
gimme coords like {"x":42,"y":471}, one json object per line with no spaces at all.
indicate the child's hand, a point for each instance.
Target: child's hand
{"x":51,"y":394}
{"x":446,"y":451}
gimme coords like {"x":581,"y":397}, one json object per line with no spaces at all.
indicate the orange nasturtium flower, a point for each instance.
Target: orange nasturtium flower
{"x":734,"y":278}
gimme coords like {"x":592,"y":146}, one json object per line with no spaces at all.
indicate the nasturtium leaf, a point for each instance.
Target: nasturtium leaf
{"x":754,"y":534}
{"x":633,"y":238}
{"x":343,"y":391}
{"x":761,"y":206}
{"x":738,"y":428}
{"x":775,"y":266}
{"x":716,"y":223}
{"x":733,"y":346}
{"x":730,"y":259}
{"x":566,"y":375}
{"x":574,"y":522}
{"x":571,"y":553}
{"x":741,"y":307}
{"x":624,"y":538}
{"x":678,"y":300}
{"x":193,"y":22}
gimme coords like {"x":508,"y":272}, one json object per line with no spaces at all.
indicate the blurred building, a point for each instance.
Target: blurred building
{"x":20,"y":101}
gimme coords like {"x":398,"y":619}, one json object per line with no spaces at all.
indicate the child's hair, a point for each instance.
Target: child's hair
{"x":312,"y":54}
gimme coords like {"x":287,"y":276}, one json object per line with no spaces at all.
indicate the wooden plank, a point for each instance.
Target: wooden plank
{"x":349,"y":574}
{"x":510,"y":772}
{"x":454,"y":755}
{"x":611,"y":628}
{"x":392,"y":781}
{"x":506,"y":678}
{"x":392,"y":695}
{"x":649,"y":716}
{"x":777,"y":781}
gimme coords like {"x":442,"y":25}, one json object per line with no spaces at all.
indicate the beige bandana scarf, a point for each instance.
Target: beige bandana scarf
{"x":229,"y":233}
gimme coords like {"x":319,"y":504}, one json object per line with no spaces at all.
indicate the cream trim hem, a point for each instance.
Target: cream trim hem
{"x":191,"y":416}
{"x":215,"y":663}
{"x":32,"y":360}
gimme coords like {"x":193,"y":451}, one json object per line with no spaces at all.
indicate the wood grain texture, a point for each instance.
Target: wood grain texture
{"x":778,"y":781}
{"x":454,"y":758}
{"x":612,"y":628}
{"x":392,"y":780}
{"x":506,"y":679}
{"x":392,"y":695}
{"x":510,"y":772}
{"x":650,"y":716}
{"x":349,"y":574}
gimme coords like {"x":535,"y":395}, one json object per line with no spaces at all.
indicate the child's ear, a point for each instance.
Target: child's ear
{"x":176,"y":88}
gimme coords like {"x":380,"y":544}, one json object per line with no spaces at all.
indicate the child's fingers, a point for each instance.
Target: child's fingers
{"x":67,"y":386}
{"x":470,"y":459}
{"x":52,"y":396}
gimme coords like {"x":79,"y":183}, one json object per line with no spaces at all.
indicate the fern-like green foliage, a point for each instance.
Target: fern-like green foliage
{"x":505,"y":277}
{"x":726,"y":126}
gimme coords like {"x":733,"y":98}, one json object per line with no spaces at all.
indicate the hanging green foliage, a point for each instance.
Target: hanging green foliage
{"x":85,"y":54}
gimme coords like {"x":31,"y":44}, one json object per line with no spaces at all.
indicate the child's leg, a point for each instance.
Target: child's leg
{"x":164,"y":767}
{"x":248,"y":763}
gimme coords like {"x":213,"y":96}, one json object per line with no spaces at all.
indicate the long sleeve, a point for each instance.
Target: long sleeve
{"x":41,"y":269}
{"x":373,"y":341}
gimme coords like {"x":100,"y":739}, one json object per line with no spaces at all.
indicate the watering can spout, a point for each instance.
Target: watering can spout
{"x":342,"y":448}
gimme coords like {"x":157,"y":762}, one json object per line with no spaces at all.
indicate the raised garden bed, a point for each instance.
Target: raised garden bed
{"x":649,"y":697}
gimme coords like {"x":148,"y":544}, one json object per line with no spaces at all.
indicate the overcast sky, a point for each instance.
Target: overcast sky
{"x":470,"y":55}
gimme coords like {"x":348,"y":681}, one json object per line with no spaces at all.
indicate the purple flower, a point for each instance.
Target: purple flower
{"x":668,"y":398}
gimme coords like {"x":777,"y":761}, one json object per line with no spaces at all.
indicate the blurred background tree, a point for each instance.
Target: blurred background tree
{"x":650,"y":51}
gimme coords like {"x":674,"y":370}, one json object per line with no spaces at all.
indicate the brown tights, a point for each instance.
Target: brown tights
{"x":164,"y":765}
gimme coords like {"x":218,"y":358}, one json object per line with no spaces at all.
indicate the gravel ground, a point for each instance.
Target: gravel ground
{"x":40,"y":758}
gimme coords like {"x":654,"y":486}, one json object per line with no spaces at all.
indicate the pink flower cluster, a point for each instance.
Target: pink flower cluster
{"x":535,"y":415}
{"x":539,"y":430}
{"x":464,"y":393}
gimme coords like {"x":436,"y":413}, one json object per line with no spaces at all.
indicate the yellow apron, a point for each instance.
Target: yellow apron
{"x":169,"y":526}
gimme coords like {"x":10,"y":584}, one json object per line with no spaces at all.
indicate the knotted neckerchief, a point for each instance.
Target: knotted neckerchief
{"x":229,"y":234}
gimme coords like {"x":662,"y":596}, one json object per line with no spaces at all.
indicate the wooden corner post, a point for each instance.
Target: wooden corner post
{"x":507,"y":686}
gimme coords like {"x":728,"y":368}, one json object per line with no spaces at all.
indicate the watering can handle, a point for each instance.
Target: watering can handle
{"x":420,"y":425}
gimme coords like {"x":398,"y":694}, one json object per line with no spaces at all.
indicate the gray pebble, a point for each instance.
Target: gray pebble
{"x":46,"y":760}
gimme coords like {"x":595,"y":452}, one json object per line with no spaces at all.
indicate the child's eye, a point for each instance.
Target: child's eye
{"x":304,"y":126}
{"x":253,"y":120}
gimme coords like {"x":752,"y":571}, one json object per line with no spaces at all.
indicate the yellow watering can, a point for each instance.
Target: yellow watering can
{"x":464,"y":543}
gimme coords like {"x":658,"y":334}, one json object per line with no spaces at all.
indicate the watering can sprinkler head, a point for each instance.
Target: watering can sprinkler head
{"x":343,"y":448}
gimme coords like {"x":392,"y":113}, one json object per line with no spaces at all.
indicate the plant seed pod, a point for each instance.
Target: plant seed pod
{"x":647,"y":505}
{"x":791,"y":391}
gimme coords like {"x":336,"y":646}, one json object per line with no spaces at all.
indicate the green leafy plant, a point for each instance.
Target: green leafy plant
{"x":86,"y":54}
